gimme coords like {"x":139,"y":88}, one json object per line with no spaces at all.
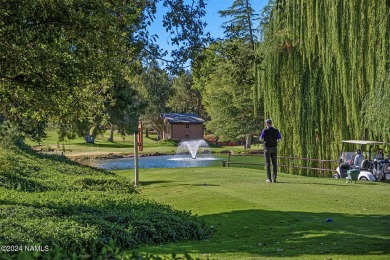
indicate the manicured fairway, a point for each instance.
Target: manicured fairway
{"x":258,"y":220}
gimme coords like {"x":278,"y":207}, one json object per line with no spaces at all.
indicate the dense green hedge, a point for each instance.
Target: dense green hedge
{"x":52,"y":201}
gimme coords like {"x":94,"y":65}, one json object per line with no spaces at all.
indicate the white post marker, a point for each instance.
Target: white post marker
{"x":136,"y":173}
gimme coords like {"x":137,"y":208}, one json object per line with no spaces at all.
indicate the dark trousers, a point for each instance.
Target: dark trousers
{"x":270,"y":154}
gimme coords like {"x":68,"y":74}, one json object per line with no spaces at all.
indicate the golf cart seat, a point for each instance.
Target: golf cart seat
{"x":386,"y":167}
{"x":365,"y":165}
{"x":343,"y":168}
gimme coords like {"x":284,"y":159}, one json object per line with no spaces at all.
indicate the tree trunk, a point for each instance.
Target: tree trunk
{"x":88,"y":137}
{"x":111,"y":138}
{"x":159,"y":134}
{"x":248,"y":141}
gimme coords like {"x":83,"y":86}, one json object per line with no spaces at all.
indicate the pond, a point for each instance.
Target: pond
{"x":162,"y":161}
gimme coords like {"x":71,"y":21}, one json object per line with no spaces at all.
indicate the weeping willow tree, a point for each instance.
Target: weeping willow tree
{"x":376,"y":110}
{"x":322,"y":60}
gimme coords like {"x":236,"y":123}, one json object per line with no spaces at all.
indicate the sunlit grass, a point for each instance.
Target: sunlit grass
{"x":258,"y":220}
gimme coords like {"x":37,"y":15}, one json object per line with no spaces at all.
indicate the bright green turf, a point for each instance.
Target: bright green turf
{"x":258,"y":220}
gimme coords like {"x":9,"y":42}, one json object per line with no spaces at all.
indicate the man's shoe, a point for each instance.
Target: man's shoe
{"x":268,"y":181}
{"x":273,"y":180}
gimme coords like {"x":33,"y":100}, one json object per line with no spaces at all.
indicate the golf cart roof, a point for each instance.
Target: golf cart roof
{"x":363,"y":142}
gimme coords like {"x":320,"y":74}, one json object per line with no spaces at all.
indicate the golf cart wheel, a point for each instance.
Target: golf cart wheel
{"x":387,"y":176}
{"x":363,"y":178}
{"x":336,"y":176}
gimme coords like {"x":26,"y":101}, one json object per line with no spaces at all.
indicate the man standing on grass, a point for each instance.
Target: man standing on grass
{"x":271,"y":136}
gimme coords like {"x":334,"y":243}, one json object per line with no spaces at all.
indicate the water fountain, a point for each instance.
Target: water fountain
{"x":190,"y":153}
{"x":192,"y":146}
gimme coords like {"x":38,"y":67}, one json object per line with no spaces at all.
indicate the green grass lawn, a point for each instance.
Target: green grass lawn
{"x":257,"y":220}
{"x":252,"y":219}
{"x":121,"y":145}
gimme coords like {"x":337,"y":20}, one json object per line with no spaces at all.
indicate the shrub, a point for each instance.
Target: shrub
{"x":9,"y":137}
{"x":115,"y":184}
{"x":52,"y":201}
{"x":168,"y":142}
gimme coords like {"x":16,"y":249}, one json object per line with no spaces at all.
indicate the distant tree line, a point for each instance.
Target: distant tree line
{"x":319,"y":69}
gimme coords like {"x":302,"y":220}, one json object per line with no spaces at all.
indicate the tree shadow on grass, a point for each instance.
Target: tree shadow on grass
{"x":316,"y":183}
{"x":20,"y":183}
{"x":263,"y":233}
{"x":202,"y":185}
{"x":107,"y":145}
{"x":147,"y":183}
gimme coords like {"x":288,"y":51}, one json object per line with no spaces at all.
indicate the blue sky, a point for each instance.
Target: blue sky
{"x":212,"y":19}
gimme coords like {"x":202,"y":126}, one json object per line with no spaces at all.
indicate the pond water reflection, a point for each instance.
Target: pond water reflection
{"x":162,"y":161}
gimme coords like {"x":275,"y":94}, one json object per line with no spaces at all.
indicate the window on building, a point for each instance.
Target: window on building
{"x":187,"y":136}
{"x":187,"y":126}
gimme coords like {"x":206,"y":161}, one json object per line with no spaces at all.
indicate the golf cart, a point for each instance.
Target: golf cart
{"x":376,"y":169}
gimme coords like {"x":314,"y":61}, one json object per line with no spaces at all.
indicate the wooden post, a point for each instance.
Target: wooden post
{"x":138,"y":146}
{"x":288,"y":165}
{"x":140,"y":136}
{"x":228,"y":159}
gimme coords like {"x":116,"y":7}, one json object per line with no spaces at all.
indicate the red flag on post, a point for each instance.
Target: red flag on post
{"x":140,"y":136}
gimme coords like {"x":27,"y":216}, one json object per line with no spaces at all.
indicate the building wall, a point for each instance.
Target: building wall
{"x":167,"y":131}
{"x":186,"y":131}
